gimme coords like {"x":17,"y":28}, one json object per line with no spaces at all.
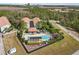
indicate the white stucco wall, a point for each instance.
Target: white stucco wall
{"x":3,"y":27}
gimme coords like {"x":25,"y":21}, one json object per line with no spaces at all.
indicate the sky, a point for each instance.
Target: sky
{"x":37,"y":1}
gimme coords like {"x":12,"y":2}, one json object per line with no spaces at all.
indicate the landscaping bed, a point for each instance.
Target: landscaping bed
{"x":31,"y":48}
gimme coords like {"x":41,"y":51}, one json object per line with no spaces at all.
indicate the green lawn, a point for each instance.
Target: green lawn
{"x":66,"y":46}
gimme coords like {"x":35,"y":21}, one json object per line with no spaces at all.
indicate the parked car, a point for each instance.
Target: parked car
{"x":11,"y":51}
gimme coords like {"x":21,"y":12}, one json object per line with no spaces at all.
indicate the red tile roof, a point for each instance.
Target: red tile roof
{"x":32,"y":29}
{"x":26,"y":19}
{"x":36,"y":20}
{"x":4,"y":21}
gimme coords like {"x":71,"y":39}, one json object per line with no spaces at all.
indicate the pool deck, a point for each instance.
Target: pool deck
{"x":26,"y":35}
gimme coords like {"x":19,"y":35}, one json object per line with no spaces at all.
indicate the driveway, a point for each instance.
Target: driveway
{"x":1,"y":45}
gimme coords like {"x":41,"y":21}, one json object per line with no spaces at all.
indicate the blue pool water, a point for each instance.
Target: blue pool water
{"x":45,"y":37}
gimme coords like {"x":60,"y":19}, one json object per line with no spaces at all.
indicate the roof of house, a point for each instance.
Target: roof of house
{"x":4,"y":21}
{"x":32,"y":29}
{"x":36,"y":20}
{"x":26,"y":19}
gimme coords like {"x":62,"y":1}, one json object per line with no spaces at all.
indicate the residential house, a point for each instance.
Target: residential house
{"x":34,"y":36}
{"x":4,"y":23}
{"x":31,"y":23}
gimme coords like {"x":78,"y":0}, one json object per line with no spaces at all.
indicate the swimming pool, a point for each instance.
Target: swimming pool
{"x":45,"y":37}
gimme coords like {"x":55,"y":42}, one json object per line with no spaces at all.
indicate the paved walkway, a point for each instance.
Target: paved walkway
{"x":1,"y":45}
